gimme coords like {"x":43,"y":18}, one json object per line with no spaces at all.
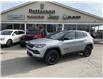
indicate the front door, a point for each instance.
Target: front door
{"x":69,"y":42}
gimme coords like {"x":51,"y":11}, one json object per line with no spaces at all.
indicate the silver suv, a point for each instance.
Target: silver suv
{"x":50,"y":49}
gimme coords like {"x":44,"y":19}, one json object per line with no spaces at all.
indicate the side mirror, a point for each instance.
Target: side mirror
{"x":13,"y":34}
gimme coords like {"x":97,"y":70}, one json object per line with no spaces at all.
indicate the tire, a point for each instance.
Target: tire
{"x":9,"y":43}
{"x":51,"y":57}
{"x":30,"y":55}
{"x":22,"y":45}
{"x":87,"y":51}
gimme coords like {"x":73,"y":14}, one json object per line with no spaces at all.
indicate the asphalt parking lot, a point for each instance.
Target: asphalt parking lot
{"x":15,"y":63}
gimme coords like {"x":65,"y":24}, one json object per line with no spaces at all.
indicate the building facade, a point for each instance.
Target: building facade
{"x":48,"y":16}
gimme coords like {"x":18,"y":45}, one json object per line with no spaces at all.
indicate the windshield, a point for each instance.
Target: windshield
{"x":6,"y":32}
{"x":56,"y":36}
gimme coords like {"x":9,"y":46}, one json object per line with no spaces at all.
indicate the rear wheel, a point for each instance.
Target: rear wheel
{"x":22,"y":45}
{"x":52,"y":57}
{"x":87,"y":51}
{"x":9,"y":42}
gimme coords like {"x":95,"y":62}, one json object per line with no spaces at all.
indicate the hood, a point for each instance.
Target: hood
{"x":43,"y":41}
{"x":4,"y":36}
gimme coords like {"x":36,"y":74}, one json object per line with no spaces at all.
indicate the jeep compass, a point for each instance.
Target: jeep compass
{"x":50,"y":49}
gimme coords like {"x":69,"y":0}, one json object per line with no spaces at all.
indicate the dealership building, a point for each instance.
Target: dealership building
{"x":50,"y":16}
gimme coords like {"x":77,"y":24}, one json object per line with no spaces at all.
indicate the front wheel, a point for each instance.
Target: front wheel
{"x":87,"y":51}
{"x":30,"y":55}
{"x":52,"y":57}
{"x":9,"y":43}
{"x":22,"y":45}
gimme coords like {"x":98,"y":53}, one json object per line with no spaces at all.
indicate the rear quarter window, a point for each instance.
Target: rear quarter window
{"x":80,"y":35}
{"x":69,"y":35}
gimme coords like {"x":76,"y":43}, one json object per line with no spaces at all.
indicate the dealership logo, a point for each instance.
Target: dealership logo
{"x":65,"y":17}
{"x":55,"y":17}
{"x":37,"y":11}
{"x":35,"y":17}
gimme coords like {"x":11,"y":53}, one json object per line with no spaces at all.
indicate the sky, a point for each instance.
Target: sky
{"x":93,"y":7}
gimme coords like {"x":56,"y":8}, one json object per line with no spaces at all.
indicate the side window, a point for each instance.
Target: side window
{"x":80,"y":35}
{"x":69,"y":36}
{"x":85,"y":34}
{"x":16,"y":32}
{"x":20,"y":32}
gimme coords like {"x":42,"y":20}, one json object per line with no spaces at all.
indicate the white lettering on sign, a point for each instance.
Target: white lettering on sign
{"x":65,"y":17}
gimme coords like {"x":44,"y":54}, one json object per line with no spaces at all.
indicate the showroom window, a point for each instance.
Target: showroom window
{"x":30,"y":27}
{"x":18,"y":26}
{"x":54,"y":28}
{"x":69,"y":27}
{"x":6,"y":26}
{"x":83,"y":27}
{"x":12,"y":26}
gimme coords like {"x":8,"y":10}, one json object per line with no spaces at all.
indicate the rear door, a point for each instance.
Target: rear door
{"x":20,"y":34}
{"x":17,"y":35}
{"x":80,"y":40}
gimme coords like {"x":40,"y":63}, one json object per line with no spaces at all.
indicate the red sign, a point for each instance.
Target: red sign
{"x":35,"y":17}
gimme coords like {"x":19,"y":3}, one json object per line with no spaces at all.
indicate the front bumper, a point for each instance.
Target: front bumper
{"x":2,"y":42}
{"x":36,"y":52}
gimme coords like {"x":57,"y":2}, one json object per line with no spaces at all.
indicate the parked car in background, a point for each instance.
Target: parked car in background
{"x":52,"y":48}
{"x":10,"y":36}
{"x":30,"y":35}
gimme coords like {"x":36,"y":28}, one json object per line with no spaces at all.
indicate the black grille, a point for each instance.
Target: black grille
{"x":30,"y":45}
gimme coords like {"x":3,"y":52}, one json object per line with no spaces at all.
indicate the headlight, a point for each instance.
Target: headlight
{"x":39,"y":45}
{"x":2,"y":38}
